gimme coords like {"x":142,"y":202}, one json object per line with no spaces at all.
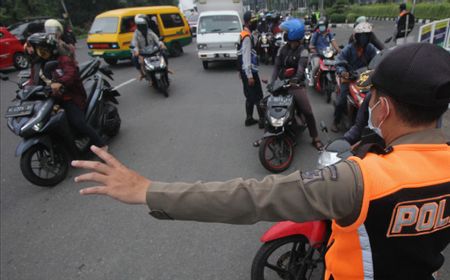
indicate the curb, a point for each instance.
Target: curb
{"x":418,"y":20}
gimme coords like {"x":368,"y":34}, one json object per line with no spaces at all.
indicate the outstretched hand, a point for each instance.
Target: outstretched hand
{"x":113,"y":178}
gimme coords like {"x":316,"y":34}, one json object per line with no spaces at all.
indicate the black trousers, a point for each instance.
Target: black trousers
{"x":304,"y":106}
{"x":76,"y":118}
{"x":253,"y":95}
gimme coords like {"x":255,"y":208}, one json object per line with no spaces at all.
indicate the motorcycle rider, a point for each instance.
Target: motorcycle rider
{"x":65,"y":74}
{"x":355,"y":55}
{"x":389,"y":208}
{"x":294,"y":55}
{"x":248,"y":71}
{"x":143,"y":36}
{"x":321,"y":39}
{"x":373,"y":38}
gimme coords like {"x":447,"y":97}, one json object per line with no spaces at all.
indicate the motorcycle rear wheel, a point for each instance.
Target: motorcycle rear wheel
{"x":276,"y":149}
{"x":292,"y":261}
{"x":36,"y":162}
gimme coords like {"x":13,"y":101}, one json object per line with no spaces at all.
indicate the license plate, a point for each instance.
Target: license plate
{"x":265,"y":45}
{"x":19,"y":111}
{"x":329,"y":62}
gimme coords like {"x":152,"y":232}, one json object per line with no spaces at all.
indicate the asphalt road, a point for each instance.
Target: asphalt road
{"x":197,"y":133}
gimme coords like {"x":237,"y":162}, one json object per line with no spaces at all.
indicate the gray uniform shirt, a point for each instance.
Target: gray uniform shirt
{"x":246,"y":50}
{"x":139,"y":40}
{"x":335,"y":192}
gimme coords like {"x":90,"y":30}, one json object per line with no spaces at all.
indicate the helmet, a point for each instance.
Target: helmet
{"x":323,"y":21}
{"x":295,"y":29}
{"x":43,"y":44}
{"x":402,"y":7}
{"x":363,"y":27}
{"x":360,"y":19}
{"x":249,"y":17}
{"x":140,"y":19}
{"x":52,"y":26}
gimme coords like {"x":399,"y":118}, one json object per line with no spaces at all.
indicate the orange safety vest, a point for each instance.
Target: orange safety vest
{"x":404,"y":222}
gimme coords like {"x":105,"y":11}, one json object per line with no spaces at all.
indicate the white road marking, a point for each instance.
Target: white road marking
{"x":124,"y":84}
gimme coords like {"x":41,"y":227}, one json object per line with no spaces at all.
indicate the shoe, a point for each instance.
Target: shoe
{"x":257,"y":143}
{"x":334,"y":128}
{"x":317,"y":144}
{"x":250,"y":121}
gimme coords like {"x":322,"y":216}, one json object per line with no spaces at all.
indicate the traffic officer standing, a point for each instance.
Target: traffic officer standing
{"x":248,"y":71}
{"x":390,"y":210}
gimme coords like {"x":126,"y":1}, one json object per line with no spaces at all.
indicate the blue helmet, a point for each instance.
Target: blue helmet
{"x":295,"y":29}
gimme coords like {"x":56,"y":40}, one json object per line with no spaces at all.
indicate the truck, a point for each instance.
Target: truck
{"x":220,"y":5}
{"x":218,"y":30}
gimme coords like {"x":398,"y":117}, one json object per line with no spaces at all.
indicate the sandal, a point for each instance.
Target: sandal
{"x":317,"y":144}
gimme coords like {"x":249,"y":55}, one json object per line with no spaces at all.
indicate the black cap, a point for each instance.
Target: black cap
{"x":417,"y":74}
{"x":248,"y":16}
{"x":402,"y":6}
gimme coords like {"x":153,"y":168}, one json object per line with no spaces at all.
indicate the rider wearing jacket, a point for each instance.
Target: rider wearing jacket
{"x":353,"y":56}
{"x":62,"y":71}
{"x":143,"y":36}
{"x":320,"y":40}
{"x":294,"y":55}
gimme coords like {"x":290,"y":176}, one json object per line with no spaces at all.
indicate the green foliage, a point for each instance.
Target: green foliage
{"x":422,"y":10}
{"x":351,"y":17}
{"x":82,"y":12}
{"x":337,"y":18}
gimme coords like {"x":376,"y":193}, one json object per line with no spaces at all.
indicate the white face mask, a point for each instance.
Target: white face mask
{"x":377,"y":130}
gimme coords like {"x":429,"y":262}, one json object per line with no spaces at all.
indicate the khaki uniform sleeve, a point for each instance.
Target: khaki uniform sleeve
{"x":331,"y":193}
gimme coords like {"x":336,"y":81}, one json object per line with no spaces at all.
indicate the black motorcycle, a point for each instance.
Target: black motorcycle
{"x":282,"y":123}
{"x":49,"y":142}
{"x":155,"y":68}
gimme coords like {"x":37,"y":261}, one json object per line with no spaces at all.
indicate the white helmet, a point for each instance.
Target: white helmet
{"x":52,"y":26}
{"x":360,"y":19}
{"x":363,"y":27}
{"x":140,"y":19}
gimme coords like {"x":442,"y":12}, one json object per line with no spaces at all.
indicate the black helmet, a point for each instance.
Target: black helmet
{"x":43,"y":44}
{"x":323,"y":21}
{"x":249,"y":17}
{"x":402,"y":6}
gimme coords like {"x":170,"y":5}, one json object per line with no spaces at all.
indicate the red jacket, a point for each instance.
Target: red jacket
{"x":68,"y":75}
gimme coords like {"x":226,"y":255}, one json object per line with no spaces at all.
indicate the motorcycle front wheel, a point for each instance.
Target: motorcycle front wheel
{"x":276,"y":153}
{"x":40,"y":168}
{"x":289,"y":258}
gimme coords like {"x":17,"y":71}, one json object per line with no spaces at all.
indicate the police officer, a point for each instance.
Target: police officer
{"x":390,"y":210}
{"x":248,"y":71}
{"x":405,"y":22}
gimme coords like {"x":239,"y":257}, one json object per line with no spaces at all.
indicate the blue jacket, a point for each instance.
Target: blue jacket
{"x":349,"y":54}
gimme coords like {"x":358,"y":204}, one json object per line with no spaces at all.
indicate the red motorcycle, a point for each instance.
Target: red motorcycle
{"x":296,"y":251}
{"x":325,"y":78}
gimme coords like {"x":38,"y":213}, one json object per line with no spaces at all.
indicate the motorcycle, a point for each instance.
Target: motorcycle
{"x":155,"y":68}
{"x":264,"y":47}
{"x":293,"y":250}
{"x":49,"y":142}
{"x":282,"y":123}
{"x":325,"y":78}
{"x":307,"y":37}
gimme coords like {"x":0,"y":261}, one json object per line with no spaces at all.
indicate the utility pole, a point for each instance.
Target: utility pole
{"x":66,"y":12}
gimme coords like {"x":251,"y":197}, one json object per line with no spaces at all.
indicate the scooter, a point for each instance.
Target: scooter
{"x":264,"y":47}
{"x":325,"y":78}
{"x":49,"y":142}
{"x":155,"y":68}
{"x":293,"y":250}
{"x":282,"y":123}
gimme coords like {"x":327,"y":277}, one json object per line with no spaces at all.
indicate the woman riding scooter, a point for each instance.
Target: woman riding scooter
{"x":293,"y":55}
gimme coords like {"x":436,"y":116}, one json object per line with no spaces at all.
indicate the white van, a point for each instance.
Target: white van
{"x":218,"y":36}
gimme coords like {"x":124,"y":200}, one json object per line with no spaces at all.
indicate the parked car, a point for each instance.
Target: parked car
{"x":11,"y":51}
{"x":24,"y":29}
{"x":192,"y":21}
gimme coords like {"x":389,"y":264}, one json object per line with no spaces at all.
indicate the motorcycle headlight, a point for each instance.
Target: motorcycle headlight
{"x":37,"y":127}
{"x":162,"y":62}
{"x":148,"y":64}
{"x":328,"y":54}
{"x":264,"y":40}
{"x":277,"y":122}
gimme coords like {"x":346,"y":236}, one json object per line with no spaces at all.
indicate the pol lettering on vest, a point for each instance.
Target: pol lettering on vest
{"x":420,"y":217}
